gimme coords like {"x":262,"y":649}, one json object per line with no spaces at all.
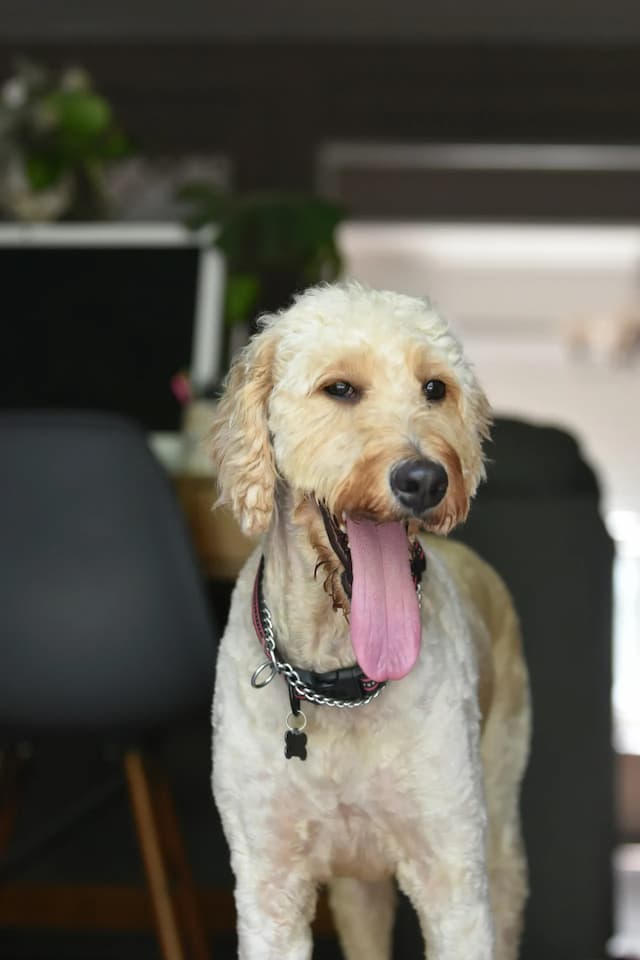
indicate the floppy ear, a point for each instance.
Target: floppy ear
{"x":479,"y":421}
{"x":240,"y":445}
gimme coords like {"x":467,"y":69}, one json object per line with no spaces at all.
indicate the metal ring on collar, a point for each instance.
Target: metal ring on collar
{"x":294,"y":727}
{"x":255,"y":677}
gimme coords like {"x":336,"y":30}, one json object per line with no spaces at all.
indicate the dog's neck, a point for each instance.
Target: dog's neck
{"x":310,"y":633}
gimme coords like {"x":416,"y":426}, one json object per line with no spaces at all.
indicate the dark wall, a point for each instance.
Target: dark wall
{"x":269,"y":105}
{"x":539,"y":21}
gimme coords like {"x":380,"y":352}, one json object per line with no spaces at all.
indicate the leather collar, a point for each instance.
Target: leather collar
{"x":344,"y":685}
{"x":348,"y":686}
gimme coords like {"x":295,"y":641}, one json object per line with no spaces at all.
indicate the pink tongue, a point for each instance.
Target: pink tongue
{"x":385,"y":617}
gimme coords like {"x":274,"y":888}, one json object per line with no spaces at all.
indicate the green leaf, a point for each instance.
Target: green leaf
{"x":81,"y":126}
{"x":80,"y":111}
{"x":273,"y":244}
{"x":208,"y":204}
{"x":115,"y":145}
{"x":241,"y":296}
{"x":43,"y":170}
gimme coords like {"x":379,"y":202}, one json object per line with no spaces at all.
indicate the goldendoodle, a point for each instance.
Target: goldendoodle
{"x":393,"y":738}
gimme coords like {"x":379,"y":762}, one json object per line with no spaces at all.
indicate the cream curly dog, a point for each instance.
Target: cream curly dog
{"x":351,"y":424}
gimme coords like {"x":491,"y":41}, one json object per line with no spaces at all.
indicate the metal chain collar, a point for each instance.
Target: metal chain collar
{"x":301,"y":689}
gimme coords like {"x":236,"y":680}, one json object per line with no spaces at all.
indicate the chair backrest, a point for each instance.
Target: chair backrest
{"x":103,"y":621}
{"x":537,"y":521}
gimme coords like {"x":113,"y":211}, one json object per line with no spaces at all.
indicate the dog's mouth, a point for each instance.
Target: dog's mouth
{"x":381,"y":567}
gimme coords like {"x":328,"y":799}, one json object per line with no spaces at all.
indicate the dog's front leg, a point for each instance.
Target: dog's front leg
{"x":456,"y":924}
{"x":443,"y":869}
{"x":275,"y":909}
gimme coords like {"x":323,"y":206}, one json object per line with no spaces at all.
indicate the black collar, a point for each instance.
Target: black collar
{"x":348,"y":686}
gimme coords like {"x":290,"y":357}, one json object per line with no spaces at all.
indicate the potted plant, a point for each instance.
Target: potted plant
{"x":274,"y":244}
{"x":57,"y":135}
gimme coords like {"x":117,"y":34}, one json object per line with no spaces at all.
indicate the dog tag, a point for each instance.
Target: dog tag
{"x":295,"y":744}
{"x":295,"y":741}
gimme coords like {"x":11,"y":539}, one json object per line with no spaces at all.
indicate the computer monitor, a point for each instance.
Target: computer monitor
{"x":103,"y":316}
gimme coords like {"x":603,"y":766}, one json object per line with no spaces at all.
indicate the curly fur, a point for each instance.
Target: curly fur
{"x":422,"y":784}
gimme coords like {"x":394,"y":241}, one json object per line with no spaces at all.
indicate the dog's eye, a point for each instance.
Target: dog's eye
{"x":434,"y":389}
{"x":342,"y":390}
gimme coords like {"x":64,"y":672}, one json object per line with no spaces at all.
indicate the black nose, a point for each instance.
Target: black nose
{"x":419,"y":484}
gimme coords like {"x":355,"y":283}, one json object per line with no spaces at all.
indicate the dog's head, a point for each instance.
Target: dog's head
{"x":357,"y":411}
{"x":357,"y":399}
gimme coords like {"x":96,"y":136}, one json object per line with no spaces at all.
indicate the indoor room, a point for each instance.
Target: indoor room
{"x":170,"y":176}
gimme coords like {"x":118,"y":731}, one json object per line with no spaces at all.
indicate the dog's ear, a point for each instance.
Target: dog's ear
{"x":240,"y":444}
{"x":479,"y":421}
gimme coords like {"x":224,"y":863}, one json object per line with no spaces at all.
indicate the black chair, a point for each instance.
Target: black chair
{"x":104,"y":628}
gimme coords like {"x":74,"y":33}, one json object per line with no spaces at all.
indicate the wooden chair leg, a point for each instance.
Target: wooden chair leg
{"x":184,"y":886}
{"x":8,"y":796}
{"x":158,"y":879}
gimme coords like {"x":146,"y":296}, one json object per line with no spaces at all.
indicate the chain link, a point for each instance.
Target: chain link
{"x":300,"y":688}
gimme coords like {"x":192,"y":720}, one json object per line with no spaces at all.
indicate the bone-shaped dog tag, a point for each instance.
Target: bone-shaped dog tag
{"x":295,"y":741}
{"x":295,"y":744}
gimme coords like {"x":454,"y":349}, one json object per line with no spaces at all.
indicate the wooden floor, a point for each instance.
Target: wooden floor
{"x":122,"y":908}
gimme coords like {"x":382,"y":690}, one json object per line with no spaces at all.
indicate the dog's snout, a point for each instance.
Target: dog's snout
{"x":419,"y":484}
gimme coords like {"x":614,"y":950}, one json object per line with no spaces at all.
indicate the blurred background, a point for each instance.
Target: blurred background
{"x":167,"y":173}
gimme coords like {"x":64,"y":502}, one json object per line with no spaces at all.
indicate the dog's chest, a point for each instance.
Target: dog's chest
{"x":349,"y":822}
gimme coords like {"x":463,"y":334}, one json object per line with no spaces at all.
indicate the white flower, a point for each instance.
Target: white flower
{"x":14,"y":93}
{"x":74,"y":79}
